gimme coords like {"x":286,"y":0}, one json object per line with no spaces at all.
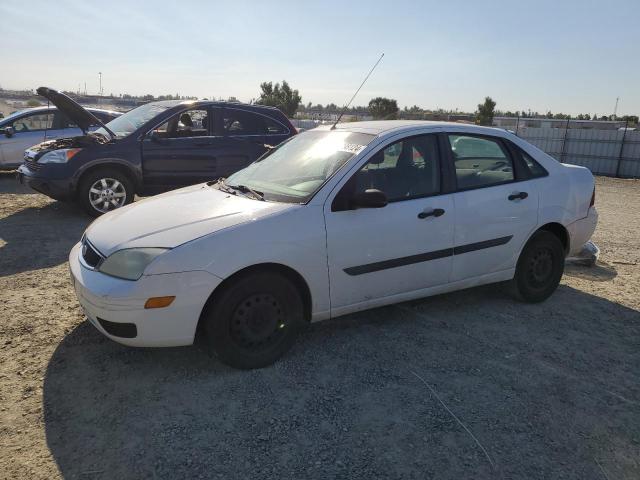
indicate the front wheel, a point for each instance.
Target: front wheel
{"x":254,"y":320}
{"x":540,"y":267}
{"x":104,"y":190}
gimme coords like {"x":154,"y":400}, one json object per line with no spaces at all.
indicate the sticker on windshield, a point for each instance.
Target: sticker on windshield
{"x":352,"y":148}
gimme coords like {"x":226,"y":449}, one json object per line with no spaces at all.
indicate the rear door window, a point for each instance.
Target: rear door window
{"x":480,"y":161}
{"x":271,"y":127}
{"x":240,"y":122}
{"x":534,"y":167}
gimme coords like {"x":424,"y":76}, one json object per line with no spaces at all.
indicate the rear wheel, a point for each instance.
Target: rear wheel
{"x":540,"y":267}
{"x":255,"y":320}
{"x":104,"y":190}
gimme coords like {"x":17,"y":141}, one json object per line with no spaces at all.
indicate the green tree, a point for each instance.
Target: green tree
{"x":33,"y":103}
{"x":383,"y":108}
{"x":484,"y":114}
{"x":280,"y":96}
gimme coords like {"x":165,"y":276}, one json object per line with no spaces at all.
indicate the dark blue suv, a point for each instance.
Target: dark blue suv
{"x":152,"y":148}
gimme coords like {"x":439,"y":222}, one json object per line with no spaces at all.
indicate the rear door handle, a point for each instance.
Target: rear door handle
{"x":436,"y":212}
{"x":518,"y":196}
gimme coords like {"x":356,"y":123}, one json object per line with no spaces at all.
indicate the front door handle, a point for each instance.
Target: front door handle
{"x":436,"y":212}
{"x":518,"y":196}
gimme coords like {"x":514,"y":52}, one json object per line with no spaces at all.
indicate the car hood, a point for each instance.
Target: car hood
{"x":176,"y":217}
{"x":76,"y":112}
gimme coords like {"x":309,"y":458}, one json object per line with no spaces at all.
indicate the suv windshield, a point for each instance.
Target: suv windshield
{"x":297,"y":168}
{"x":129,"y":122}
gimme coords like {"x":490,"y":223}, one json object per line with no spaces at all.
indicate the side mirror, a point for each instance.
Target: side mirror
{"x":371,"y":198}
{"x":9,"y":132}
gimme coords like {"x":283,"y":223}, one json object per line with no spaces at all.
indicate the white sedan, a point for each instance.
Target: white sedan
{"x":330,"y":222}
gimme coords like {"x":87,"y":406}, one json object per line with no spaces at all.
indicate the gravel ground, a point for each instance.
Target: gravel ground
{"x":463,"y":385}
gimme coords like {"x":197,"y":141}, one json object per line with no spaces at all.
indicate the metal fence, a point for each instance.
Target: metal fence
{"x":613,"y":151}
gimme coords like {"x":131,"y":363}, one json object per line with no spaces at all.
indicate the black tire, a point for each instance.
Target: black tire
{"x":254,"y":320}
{"x":102,"y":180}
{"x":540,"y":268}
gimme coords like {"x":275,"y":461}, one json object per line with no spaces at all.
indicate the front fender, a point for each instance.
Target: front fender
{"x":134,"y":171}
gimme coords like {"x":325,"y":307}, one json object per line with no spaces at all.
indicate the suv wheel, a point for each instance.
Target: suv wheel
{"x":105,"y":190}
{"x":540,"y":267}
{"x":255,"y":320}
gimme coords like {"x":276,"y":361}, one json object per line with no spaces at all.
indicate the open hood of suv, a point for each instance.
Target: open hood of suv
{"x":72,"y":109}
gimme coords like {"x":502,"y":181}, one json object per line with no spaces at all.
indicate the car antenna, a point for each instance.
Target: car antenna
{"x":344,"y":109}
{"x":46,"y":122}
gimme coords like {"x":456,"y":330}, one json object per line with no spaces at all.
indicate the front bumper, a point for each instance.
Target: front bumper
{"x":58,"y":189}
{"x":121,"y":302}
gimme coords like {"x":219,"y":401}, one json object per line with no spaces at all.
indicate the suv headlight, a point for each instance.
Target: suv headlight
{"x":59,"y":156}
{"x":130,"y":263}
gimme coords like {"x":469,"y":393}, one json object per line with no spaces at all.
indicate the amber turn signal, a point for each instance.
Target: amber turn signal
{"x":159,"y":302}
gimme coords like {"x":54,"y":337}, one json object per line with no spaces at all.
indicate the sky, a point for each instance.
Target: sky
{"x":561,"y":55}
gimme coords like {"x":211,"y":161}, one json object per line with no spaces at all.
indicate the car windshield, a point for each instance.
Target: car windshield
{"x":297,"y":168}
{"x":129,"y":122}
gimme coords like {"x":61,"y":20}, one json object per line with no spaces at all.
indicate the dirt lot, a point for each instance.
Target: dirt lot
{"x":548,"y":391}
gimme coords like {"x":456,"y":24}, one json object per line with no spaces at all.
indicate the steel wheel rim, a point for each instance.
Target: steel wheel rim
{"x":107,"y":194}
{"x":540,"y":269}
{"x":258,"y":323}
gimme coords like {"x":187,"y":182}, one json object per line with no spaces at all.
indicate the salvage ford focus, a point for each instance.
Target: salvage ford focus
{"x":332,"y":221}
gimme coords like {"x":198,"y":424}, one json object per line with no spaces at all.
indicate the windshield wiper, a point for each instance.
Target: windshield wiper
{"x":223,"y":186}
{"x":245,"y":189}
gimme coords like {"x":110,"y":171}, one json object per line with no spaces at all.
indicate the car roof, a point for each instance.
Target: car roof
{"x":53,"y":107}
{"x":219,"y":103}
{"x":389,"y":127}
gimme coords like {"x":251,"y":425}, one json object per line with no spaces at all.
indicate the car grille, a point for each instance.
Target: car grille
{"x":90,"y":255}
{"x":33,"y":166}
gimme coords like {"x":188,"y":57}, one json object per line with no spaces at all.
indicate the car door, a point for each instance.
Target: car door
{"x":496,"y":205}
{"x":402,"y":247}
{"x":62,"y":127}
{"x":275,"y":132}
{"x":240,"y":140}
{"x":29,"y":130}
{"x":181,"y":151}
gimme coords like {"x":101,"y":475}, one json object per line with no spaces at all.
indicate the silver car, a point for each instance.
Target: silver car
{"x":25,"y":128}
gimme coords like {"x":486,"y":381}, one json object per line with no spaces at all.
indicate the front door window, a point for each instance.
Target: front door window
{"x":35,"y":122}
{"x":192,"y":123}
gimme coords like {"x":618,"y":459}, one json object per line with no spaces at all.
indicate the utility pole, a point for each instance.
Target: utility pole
{"x":615,"y":110}
{"x":100,"y":74}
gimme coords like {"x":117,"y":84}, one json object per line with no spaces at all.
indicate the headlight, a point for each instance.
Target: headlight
{"x":59,"y":156}
{"x":129,"y":263}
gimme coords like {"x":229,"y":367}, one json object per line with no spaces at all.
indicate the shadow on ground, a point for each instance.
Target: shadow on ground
{"x":601,"y":272}
{"x":538,"y":385}
{"x":39,"y":237}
